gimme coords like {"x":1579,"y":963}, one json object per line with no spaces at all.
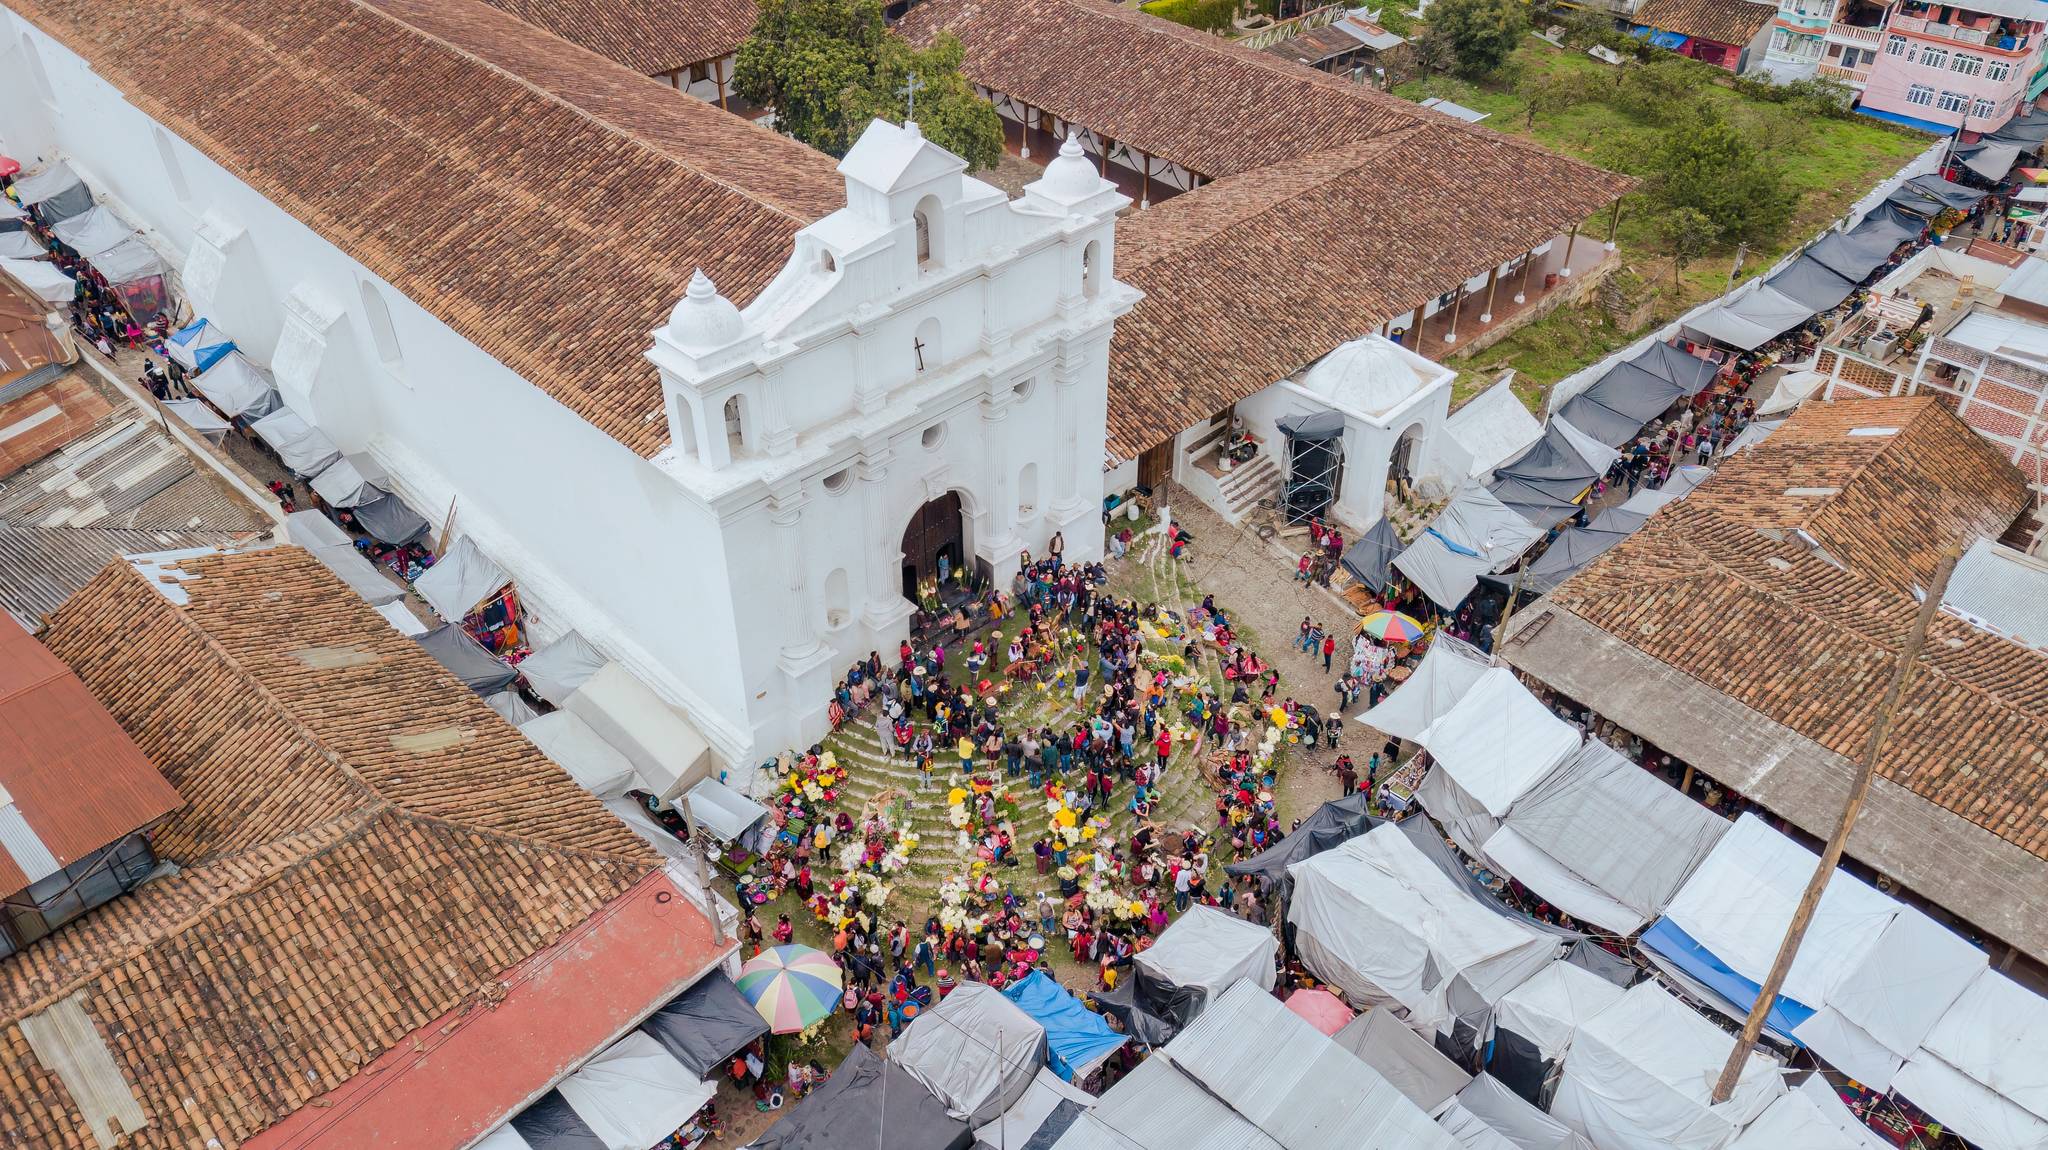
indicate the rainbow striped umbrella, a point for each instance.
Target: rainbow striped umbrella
{"x":1391,"y":627}
{"x":792,"y":986}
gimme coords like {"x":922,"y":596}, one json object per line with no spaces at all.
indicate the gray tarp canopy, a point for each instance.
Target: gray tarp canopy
{"x":389,"y":520}
{"x":1331,"y":824}
{"x":729,"y":815}
{"x":1541,"y":509}
{"x":459,"y":580}
{"x":1160,"y":1107}
{"x":1856,"y":253}
{"x":56,"y":193}
{"x":1752,"y":319}
{"x":350,"y":481}
{"x":976,"y":1050}
{"x":1630,"y":395}
{"x":1667,"y":361}
{"x":129,"y":261}
{"x":867,"y":1104}
{"x":556,"y":670}
{"x":1370,"y":557}
{"x":1553,"y":466}
{"x":2029,"y":132}
{"x":1404,"y":1058}
{"x":1449,"y":669}
{"x":199,"y":417}
{"x":1038,"y":1119}
{"x":304,"y":448}
{"x":1474,"y":534}
{"x":1313,"y":426}
{"x":706,"y":1025}
{"x":1486,"y":1105}
{"x":1950,"y":193}
{"x":1574,"y":549}
{"x":1208,"y":949}
{"x":478,"y":669}
{"x":240,"y":389}
{"x":21,"y":246}
{"x":1811,"y":283}
{"x":1893,"y":221}
{"x":90,"y":233}
{"x":337,"y":552}
{"x":552,"y":1124}
{"x":576,"y":747}
{"x":1989,"y":159}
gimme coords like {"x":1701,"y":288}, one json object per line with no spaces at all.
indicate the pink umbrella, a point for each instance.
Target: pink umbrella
{"x":1323,"y":1010}
{"x":9,"y":167}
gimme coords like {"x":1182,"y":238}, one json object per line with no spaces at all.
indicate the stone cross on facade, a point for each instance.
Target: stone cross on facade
{"x":911,"y":87}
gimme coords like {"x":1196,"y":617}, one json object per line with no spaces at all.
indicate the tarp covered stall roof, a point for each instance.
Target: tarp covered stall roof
{"x":42,"y":278}
{"x":199,"y":417}
{"x":389,"y":520}
{"x":459,"y":580}
{"x":1950,"y":193}
{"x":666,"y":750}
{"x":1330,"y":824}
{"x":1408,"y":1061}
{"x":304,"y":448}
{"x":1568,"y":818}
{"x":1619,"y":403}
{"x":56,"y":193}
{"x":1077,"y":1039}
{"x":129,"y":261}
{"x":1551,"y":1006}
{"x":1969,"y":1108}
{"x":478,"y":669}
{"x":1302,"y":1089}
{"x":337,"y":552}
{"x":1575,"y":549}
{"x":1036,"y":1120}
{"x":1493,"y":427}
{"x":1994,"y":1038}
{"x":706,"y":1025}
{"x":1856,"y":253}
{"x":1538,"y":507}
{"x":401,"y":618}
{"x":1488,"y":1106}
{"x":596,"y":765}
{"x":1498,"y":740}
{"x":1880,"y":1013}
{"x":1757,"y":431}
{"x":975,"y":1050}
{"x":1447,"y":672}
{"x":552,"y":1124}
{"x":1376,"y":918}
{"x":241,"y":389}
{"x":21,"y":246}
{"x":1892,"y":222}
{"x":1791,"y":390}
{"x":1142,"y":1018}
{"x":198,"y":345}
{"x":1473,"y":535}
{"x":1752,"y":319}
{"x":1553,"y":465}
{"x":511,"y":707}
{"x":1157,"y":1106}
{"x":1810,"y":1117}
{"x":729,"y":815}
{"x":1315,"y":425}
{"x":350,"y":481}
{"x":1811,"y":283}
{"x":1641,"y":1074}
{"x":867,"y":1104}
{"x":1688,"y":372}
{"x":91,"y":232}
{"x":1596,"y":454}
{"x":556,"y":670}
{"x":635,"y":1093}
{"x":1208,"y":949}
{"x":1739,"y":901}
{"x":1370,"y":557}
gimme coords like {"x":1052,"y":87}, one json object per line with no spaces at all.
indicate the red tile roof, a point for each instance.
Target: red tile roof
{"x":1731,"y":22}
{"x":546,"y":203}
{"x":648,"y":36}
{"x":76,"y":777}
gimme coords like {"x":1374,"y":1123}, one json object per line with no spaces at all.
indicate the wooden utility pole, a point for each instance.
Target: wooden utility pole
{"x":1802,"y":916}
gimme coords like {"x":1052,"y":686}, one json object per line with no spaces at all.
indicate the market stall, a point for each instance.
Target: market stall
{"x":350,"y":481}
{"x":305,"y":449}
{"x":594,"y":764}
{"x":867,"y":1104}
{"x":91,"y":232}
{"x":1488,"y":749}
{"x":668,"y":753}
{"x":975,"y":1050}
{"x":1475,"y":534}
{"x":454,"y":649}
{"x":556,"y":669}
{"x":1487,"y":1108}
{"x":197,"y":346}
{"x":1534,"y":1024}
{"x":706,"y":1025}
{"x":1202,"y":953}
{"x":54,"y":194}
{"x":390,"y":521}
{"x":42,"y":278}
{"x":1077,"y":1039}
{"x":337,"y":552}
{"x":238,"y":389}
{"x":1404,"y":1058}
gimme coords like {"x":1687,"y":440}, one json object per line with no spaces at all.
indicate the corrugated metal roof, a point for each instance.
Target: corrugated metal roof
{"x":124,"y":472}
{"x":2002,"y":591}
{"x":41,"y":567}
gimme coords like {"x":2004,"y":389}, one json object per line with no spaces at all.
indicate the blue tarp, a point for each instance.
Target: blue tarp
{"x":1659,"y":39}
{"x":1934,"y":126}
{"x":1679,"y":949}
{"x":1075,"y":1036}
{"x":202,"y":343}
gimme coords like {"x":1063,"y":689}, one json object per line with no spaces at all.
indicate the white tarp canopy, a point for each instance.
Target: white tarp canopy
{"x":401,"y":617}
{"x":42,"y":278}
{"x":188,"y":345}
{"x":19,"y":245}
{"x":52,"y":181}
{"x":336,"y":552}
{"x":511,"y":707}
{"x":198,"y":417}
{"x":1752,"y":319}
{"x":635,"y":1093}
{"x":1475,"y":534}
{"x":1879,"y":1014}
{"x":556,"y":670}
{"x":503,"y":1138}
{"x":237,"y":386}
{"x":1158,"y":1107}
{"x":666,"y":749}
{"x":1498,"y":740}
{"x":1558,"y":839}
{"x":129,"y":261}
{"x":1493,"y":427}
{"x":1447,"y":672}
{"x":976,"y":1050}
{"x":729,"y":815}
{"x":1404,"y":1058}
{"x":1641,"y":1074}
{"x":1029,"y":1113}
{"x":459,"y":580}
{"x":1378,"y":919}
{"x":1210,"y":949}
{"x":350,"y":481}
{"x":1488,"y":1116}
{"x":1740,"y":901}
{"x":91,"y":232}
{"x":1984,"y":1067}
{"x":9,"y":210}
{"x":1792,"y":390}
{"x":1550,"y":1007}
{"x":1809,"y":1117}
{"x":597,"y":766}
{"x":304,"y":448}
{"x":1595,"y":453}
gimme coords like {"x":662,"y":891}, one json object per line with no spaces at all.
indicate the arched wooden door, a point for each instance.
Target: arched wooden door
{"x":934,"y":533}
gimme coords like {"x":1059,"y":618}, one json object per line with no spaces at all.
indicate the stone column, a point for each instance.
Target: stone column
{"x":1002,"y":542}
{"x":885,"y":606}
{"x":799,"y":621}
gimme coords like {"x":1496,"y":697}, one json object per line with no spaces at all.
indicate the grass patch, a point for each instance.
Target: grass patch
{"x":1204,"y":15}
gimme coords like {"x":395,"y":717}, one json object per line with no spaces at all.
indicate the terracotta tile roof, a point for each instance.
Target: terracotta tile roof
{"x":366,"y":847}
{"x":1251,"y":278}
{"x":1732,"y":22}
{"x":1808,"y":638}
{"x":648,"y":36}
{"x":78,"y":780}
{"x":546,"y":203}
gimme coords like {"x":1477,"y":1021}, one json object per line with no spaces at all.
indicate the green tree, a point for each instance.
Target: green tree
{"x":1687,"y":235}
{"x":1483,"y":33}
{"x":1705,"y":164}
{"x":1546,"y":93}
{"x":828,"y":67}
{"x":1432,"y":52}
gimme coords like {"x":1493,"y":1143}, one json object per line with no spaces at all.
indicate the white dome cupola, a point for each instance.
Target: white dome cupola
{"x":704,"y":320}
{"x":1371,"y":376}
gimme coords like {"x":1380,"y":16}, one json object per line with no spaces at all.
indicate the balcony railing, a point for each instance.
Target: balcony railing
{"x":1846,"y":75}
{"x":1905,"y":23}
{"x":1985,"y":37}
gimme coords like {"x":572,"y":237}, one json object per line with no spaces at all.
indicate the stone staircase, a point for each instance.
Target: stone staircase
{"x":1244,"y":486}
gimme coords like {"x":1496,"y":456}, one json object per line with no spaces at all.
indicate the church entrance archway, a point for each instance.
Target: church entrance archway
{"x":934,"y":544}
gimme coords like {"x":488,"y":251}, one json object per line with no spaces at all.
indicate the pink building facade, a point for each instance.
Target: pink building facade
{"x":1943,"y":66}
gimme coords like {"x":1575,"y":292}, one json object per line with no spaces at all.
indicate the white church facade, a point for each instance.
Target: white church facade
{"x":924,"y":382}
